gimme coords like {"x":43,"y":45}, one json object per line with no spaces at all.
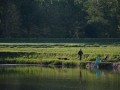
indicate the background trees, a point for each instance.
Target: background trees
{"x":59,"y":18}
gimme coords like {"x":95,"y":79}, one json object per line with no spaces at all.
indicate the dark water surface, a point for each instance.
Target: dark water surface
{"x":46,"y":78}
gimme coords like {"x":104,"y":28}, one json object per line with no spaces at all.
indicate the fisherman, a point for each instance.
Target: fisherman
{"x":80,"y":53}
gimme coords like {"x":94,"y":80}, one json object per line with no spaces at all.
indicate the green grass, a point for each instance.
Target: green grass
{"x":48,"y":53}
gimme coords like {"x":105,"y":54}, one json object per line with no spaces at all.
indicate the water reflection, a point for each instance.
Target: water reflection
{"x":45,"y":78}
{"x":98,"y":72}
{"x":82,"y":81}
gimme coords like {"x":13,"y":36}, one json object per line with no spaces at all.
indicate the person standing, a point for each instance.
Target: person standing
{"x":80,"y":53}
{"x":97,"y":61}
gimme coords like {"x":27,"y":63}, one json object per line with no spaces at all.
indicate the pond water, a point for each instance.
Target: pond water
{"x":50,"y":78}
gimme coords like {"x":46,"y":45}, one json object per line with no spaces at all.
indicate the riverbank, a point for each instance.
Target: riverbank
{"x":63,"y":54}
{"x":54,"y":63}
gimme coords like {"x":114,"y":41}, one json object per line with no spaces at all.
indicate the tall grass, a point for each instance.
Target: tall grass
{"x":50,"y":53}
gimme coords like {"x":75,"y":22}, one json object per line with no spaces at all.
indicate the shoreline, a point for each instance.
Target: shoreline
{"x":87,"y":65}
{"x":65,"y":55}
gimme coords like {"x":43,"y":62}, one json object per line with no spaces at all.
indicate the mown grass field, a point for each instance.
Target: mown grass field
{"x":48,"y":53}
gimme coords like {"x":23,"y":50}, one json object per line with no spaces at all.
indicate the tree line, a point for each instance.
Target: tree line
{"x":59,"y":18}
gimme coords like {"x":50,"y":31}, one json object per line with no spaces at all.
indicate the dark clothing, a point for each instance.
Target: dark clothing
{"x":80,"y":53}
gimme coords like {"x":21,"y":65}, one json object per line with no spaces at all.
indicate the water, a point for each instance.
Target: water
{"x":46,"y":78}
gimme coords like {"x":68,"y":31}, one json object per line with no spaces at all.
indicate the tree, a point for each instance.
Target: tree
{"x":1,"y":18}
{"x":96,"y":23}
{"x":110,"y":10}
{"x":10,"y":20}
{"x":59,"y":18}
{"x":102,"y":13}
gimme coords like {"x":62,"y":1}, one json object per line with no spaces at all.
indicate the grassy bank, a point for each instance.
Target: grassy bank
{"x":49,"y":53}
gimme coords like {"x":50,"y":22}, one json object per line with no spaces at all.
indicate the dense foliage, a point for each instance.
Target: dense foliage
{"x":59,"y":18}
